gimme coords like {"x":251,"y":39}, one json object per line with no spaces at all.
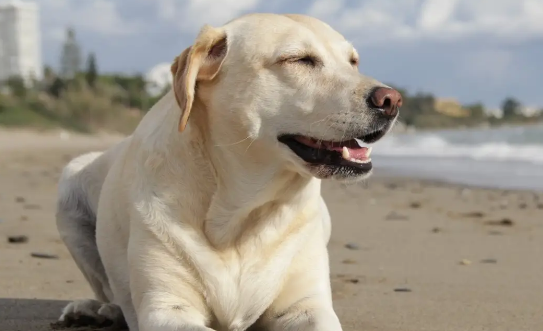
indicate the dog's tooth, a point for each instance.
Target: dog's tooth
{"x":369,"y":151}
{"x":364,"y":161}
{"x":360,"y":161}
{"x":345,"y":153}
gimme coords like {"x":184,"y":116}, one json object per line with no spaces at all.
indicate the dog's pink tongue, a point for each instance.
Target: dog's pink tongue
{"x":360,"y":154}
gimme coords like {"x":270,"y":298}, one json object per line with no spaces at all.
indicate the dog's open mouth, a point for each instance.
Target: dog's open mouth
{"x":353,"y":153}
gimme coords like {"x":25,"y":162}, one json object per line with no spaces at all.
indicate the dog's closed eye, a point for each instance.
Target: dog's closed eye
{"x":306,"y":60}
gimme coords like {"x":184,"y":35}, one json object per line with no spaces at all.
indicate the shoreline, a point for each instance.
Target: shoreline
{"x":428,"y":180}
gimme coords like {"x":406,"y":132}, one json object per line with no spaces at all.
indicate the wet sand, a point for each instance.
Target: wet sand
{"x":406,"y":254}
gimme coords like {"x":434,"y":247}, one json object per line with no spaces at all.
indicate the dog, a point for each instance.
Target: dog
{"x":210,"y":216}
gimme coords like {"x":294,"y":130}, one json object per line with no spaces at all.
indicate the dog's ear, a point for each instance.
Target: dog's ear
{"x":200,"y":62}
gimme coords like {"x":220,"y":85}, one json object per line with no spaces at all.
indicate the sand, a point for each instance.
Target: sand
{"x":406,"y":254}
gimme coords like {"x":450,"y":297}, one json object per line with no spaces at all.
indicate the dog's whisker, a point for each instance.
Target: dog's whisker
{"x":249,"y":145}
{"x":232,"y":144}
{"x":318,"y":121}
{"x":327,"y":126}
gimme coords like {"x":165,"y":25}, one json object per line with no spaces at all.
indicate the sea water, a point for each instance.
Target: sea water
{"x":506,"y":157}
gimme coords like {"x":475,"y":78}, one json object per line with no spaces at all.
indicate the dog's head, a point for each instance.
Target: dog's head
{"x":285,"y":88}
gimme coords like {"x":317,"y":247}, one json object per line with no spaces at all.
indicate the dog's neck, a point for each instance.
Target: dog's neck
{"x":231,"y":192}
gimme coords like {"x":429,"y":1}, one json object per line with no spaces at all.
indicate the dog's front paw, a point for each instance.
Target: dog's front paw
{"x":92,"y":313}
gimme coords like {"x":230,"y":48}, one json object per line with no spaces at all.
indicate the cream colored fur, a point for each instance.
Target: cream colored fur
{"x":208,"y":222}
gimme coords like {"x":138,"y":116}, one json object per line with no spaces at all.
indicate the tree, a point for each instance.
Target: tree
{"x":57,"y":87}
{"x":91,"y":73}
{"x":416,"y":106}
{"x":510,"y":107}
{"x":17,"y":87}
{"x":3,"y":104}
{"x":70,"y":61}
{"x":48,"y":73}
{"x":477,"y":111}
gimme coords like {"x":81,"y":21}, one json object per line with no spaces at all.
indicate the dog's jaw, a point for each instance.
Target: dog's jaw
{"x":343,"y":160}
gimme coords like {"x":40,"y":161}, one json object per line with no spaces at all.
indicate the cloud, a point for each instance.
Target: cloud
{"x":158,"y":78}
{"x":434,"y":14}
{"x":489,"y":67}
{"x":132,"y":35}
{"x":157,"y":29}
{"x":191,"y":15}
{"x":375,"y":22}
{"x":99,"y":16}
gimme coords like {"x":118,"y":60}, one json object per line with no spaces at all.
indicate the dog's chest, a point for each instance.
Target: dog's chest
{"x":245,"y":282}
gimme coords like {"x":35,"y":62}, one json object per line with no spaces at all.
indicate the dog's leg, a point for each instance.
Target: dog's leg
{"x":76,"y":225}
{"x":139,"y":279}
{"x":159,"y":315}
{"x":80,"y":243}
{"x":305,"y":302}
{"x":306,"y":316}
{"x":167,"y":306}
{"x":165,"y":291}
{"x":76,"y":222}
{"x":121,"y":291}
{"x":118,"y":272}
{"x":76,"y":229}
{"x":170,"y":305}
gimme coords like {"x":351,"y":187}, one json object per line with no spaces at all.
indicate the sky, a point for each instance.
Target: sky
{"x":471,"y":50}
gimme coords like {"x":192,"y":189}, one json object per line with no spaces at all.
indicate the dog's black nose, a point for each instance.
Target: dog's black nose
{"x":387,"y":99}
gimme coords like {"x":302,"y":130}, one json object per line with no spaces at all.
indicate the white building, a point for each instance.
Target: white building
{"x":20,"y":44}
{"x":530,"y":111}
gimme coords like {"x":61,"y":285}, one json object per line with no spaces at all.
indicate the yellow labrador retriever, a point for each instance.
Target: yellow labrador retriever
{"x":210,"y":216}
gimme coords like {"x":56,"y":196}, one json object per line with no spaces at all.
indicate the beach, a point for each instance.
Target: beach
{"x":407,"y":253}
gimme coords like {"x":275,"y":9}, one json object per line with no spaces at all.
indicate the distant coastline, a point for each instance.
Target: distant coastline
{"x":91,"y":102}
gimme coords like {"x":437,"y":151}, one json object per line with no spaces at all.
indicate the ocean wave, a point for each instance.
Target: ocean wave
{"x":436,"y":146}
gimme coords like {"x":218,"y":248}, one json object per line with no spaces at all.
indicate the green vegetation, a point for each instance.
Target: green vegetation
{"x":75,"y":99}
{"x":91,"y":75}
{"x":425,"y":111}
{"x":86,"y":101}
